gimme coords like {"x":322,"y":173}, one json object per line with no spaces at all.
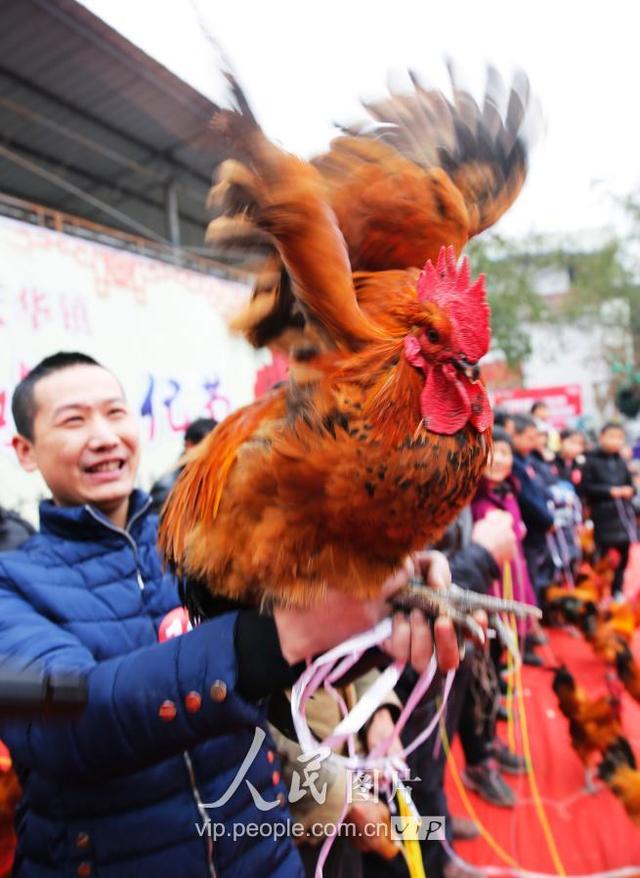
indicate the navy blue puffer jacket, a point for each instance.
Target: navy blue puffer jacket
{"x":118,"y":792}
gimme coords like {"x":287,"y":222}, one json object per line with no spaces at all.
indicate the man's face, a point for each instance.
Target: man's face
{"x":525,"y":442}
{"x":612,"y":440}
{"x":541,"y":441}
{"x":85,"y":438}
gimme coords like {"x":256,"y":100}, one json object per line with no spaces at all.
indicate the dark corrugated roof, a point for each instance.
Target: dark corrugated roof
{"x":80,"y":102}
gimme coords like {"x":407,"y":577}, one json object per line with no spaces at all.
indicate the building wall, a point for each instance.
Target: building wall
{"x":568,"y":355}
{"x":160,"y":328}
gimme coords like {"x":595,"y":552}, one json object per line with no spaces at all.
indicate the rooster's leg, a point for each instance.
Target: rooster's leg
{"x":589,"y":785}
{"x":458,"y":604}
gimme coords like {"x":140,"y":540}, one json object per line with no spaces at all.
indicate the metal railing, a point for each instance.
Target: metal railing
{"x":46,"y":217}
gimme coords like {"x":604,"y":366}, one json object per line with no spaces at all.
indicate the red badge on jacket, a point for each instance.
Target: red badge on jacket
{"x":174,"y":624}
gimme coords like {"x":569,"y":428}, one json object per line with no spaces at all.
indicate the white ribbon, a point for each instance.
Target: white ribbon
{"x":331,"y":666}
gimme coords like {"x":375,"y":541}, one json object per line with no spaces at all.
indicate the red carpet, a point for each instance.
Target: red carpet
{"x":592,"y":832}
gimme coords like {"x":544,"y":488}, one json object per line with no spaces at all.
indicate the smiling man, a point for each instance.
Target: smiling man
{"x":75,"y":427}
{"x":122,"y":790}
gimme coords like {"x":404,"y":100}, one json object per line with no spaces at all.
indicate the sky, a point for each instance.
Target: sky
{"x":306,"y":64}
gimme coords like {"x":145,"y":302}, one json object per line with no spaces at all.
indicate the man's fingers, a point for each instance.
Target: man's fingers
{"x":434,"y":568}
{"x":483,"y":621}
{"x":421,"y":641}
{"x":446,"y":644}
{"x":399,"y":644}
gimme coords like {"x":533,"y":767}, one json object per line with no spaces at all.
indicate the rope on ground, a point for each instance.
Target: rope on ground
{"x":526,"y":745}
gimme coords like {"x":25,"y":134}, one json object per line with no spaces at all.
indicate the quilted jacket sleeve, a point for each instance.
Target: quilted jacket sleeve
{"x":121,"y":729}
{"x":532,"y":500}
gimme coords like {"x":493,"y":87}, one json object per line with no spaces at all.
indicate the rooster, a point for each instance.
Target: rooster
{"x":382,"y":433}
{"x":9,"y":795}
{"x":619,"y":771}
{"x":593,"y":724}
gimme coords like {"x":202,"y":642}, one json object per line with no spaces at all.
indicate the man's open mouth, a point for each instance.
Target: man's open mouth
{"x":107,"y":466}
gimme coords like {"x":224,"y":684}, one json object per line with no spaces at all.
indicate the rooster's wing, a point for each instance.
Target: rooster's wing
{"x":421,"y":173}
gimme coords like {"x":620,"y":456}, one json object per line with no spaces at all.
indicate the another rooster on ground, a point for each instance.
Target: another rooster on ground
{"x":593,"y":724}
{"x":383,"y":432}
{"x":619,"y":771}
{"x":9,"y":795}
{"x":629,"y":672}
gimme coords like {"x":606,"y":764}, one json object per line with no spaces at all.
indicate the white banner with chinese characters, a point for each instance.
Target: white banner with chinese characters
{"x":160,"y":328}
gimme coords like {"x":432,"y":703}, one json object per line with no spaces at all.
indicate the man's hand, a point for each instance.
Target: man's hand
{"x":307,"y":632}
{"x":380,"y":730}
{"x":412,"y":639}
{"x":495,"y":533}
{"x":622,"y":492}
{"x":364,"y":816}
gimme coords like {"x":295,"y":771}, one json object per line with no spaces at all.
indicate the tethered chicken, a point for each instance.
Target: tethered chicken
{"x":383,"y":430}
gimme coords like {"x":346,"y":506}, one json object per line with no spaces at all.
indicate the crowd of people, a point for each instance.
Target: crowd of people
{"x":184,"y":761}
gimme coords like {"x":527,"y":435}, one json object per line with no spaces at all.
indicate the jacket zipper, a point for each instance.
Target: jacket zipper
{"x":202,"y":811}
{"x":126,"y":535}
{"x":192,"y":777}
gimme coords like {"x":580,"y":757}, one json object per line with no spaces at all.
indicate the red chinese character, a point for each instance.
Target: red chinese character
{"x":34,"y":305}
{"x":75,"y":316}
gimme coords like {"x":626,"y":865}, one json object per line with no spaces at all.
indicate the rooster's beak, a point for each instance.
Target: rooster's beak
{"x":470,"y":370}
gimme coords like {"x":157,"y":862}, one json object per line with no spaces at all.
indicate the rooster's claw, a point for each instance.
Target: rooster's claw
{"x":459,"y":604}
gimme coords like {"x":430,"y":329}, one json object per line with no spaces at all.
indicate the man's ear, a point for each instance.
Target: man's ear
{"x":25,"y":453}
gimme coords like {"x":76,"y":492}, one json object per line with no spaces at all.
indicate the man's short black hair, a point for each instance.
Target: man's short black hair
{"x":522,"y":422}
{"x":23,"y":404}
{"x":567,"y":432}
{"x":198,"y":429}
{"x":540,"y":404}
{"x":611,"y":425}
{"x":501,"y":417}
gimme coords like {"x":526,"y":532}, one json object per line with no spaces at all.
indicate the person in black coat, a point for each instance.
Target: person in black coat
{"x":607,"y":486}
{"x":535,"y":502}
{"x":476,"y":553}
{"x":193,"y":435}
{"x":13,"y":530}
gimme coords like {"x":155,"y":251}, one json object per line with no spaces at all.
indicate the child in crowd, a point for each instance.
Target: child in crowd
{"x":570,"y":459}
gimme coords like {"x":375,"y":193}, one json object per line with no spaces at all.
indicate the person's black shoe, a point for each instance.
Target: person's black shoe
{"x":508,"y":762}
{"x":529,"y":657}
{"x":486,"y":781}
{"x":501,"y":714}
{"x":463,"y":828}
{"x":536,"y":638}
{"x":454,"y":870}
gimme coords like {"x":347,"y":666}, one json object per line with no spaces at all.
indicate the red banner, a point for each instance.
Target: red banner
{"x":563,"y":401}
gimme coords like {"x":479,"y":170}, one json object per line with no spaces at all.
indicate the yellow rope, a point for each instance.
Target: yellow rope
{"x":410,"y":847}
{"x":466,"y":801}
{"x":535,"y":792}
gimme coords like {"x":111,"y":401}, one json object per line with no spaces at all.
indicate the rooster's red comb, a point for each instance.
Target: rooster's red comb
{"x":465,"y":303}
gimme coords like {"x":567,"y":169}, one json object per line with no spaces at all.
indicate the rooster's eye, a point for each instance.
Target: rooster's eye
{"x":434,"y":336}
